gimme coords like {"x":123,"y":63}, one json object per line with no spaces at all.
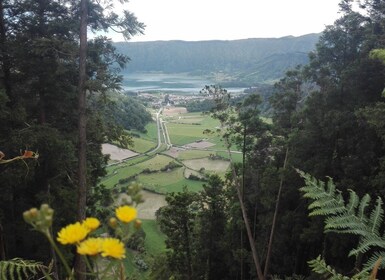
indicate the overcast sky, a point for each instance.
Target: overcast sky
{"x":193,"y":20}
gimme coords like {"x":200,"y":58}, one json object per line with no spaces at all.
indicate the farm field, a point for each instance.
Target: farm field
{"x":166,"y":169}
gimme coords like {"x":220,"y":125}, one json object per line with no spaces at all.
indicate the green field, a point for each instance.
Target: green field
{"x":192,"y":154}
{"x":154,"y":242}
{"x":142,"y":145}
{"x":155,"y":163}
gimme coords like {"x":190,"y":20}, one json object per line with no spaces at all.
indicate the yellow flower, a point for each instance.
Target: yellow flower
{"x":72,"y":234}
{"x":113,"y":247}
{"x":126,"y":213}
{"x":90,"y":246}
{"x":91,"y":223}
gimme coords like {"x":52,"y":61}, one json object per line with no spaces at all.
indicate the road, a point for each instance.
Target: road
{"x":162,"y":133}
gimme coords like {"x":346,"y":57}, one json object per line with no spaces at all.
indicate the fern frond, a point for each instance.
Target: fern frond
{"x":19,"y":269}
{"x":366,"y":243}
{"x":352,"y":217}
{"x":363,"y":205}
{"x":326,"y":198}
{"x":374,"y":258}
{"x":354,"y":201}
{"x":319,"y":266}
{"x":376,"y":217}
{"x":345,"y":222}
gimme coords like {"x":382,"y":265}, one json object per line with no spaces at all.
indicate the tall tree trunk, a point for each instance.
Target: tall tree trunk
{"x":80,"y":266}
{"x":272,"y":232}
{"x":2,"y":244}
{"x":238,"y":187}
{"x":5,"y":58}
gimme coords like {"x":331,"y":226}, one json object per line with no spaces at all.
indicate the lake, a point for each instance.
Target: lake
{"x":174,"y":82}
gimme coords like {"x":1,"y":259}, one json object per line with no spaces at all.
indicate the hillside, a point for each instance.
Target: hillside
{"x":242,"y":61}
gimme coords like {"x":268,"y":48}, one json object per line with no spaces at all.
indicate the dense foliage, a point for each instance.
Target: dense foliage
{"x":39,"y":73}
{"x":327,"y":121}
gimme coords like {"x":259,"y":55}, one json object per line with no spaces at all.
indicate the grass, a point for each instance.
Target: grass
{"x":162,"y":179}
{"x":155,"y":163}
{"x":219,"y":166}
{"x":186,"y":132}
{"x":120,"y":173}
{"x":236,"y":157}
{"x":142,"y":145}
{"x":154,"y":242}
{"x":166,"y":182}
{"x":152,"y":132}
{"x":194,"y":186}
{"x":192,"y":154}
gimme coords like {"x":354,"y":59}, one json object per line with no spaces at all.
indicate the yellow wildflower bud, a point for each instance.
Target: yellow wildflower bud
{"x":138,"y":224}
{"x":33,"y":213}
{"x":113,"y":222}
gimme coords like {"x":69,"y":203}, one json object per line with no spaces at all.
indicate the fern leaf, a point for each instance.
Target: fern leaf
{"x":344,"y":221}
{"x":3,"y":269}
{"x":373,"y":259}
{"x":363,"y":204}
{"x":19,"y":269}
{"x":354,"y":201}
{"x":376,"y":217}
{"x":319,"y":266}
{"x":12,"y":271}
{"x":352,"y":217}
{"x":366,"y":243}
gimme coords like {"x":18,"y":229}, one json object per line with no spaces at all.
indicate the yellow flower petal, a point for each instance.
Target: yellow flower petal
{"x":90,"y":246}
{"x":114,"y":248}
{"x":126,"y":213}
{"x":91,"y":223}
{"x":72,"y":234}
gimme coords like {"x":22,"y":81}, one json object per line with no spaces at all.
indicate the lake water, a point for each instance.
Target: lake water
{"x":157,"y":81}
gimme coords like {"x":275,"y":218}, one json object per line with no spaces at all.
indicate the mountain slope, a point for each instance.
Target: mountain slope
{"x":257,"y":60}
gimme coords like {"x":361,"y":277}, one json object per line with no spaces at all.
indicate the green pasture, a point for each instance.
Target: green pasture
{"x":155,"y":163}
{"x":120,"y":172}
{"x":142,"y":145}
{"x":162,"y":179}
{"x":181,"y":134}
{"x":171,"y":181}
{"x":152,"y":132}
{"x":236,"y":157}
{"x":192,"y":154}
{"x":217,"y":166}
{"x":193,"y":186}
{"x":154,"y":242}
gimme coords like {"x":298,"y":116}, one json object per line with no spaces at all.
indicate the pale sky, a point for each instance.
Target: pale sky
{"x":193,"y":20}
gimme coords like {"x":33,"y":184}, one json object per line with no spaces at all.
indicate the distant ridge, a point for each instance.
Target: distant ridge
{"x":245,"y":60}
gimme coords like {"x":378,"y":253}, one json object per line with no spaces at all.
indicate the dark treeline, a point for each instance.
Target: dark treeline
{"x":327,"y":121}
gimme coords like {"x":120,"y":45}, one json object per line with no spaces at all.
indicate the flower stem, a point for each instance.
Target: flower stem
{"x":59,"y":253}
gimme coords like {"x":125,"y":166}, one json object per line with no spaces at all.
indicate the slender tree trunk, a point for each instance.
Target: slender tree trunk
{"x":80,"y":266}
{"x":272,"y":232}
{"x":5,"y":58}
{"x":2,"y":244}
{"x":238,"y":187}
